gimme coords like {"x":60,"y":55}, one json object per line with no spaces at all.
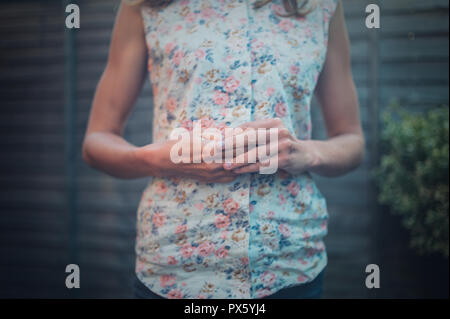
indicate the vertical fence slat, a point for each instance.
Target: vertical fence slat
{"x":70,"y":134}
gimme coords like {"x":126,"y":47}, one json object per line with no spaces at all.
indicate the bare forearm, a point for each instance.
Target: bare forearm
{"x":337,"y":155}
{"x":113,"y":155}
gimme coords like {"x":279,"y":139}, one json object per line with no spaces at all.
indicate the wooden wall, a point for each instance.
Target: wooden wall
{"x":407,"y":60}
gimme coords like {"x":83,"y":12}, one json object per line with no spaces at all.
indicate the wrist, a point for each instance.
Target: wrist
{"x":146,"y":160}
{"x":313,"y":157}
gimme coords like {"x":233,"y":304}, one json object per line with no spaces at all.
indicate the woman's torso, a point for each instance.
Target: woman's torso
{"x":225,"y":63}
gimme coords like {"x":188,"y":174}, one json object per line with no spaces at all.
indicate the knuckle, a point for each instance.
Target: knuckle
{"x":283,"y":132}
{"x":285,"y":144}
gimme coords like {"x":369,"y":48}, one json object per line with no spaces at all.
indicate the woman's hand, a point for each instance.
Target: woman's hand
{"x":293,"y":155}
{"x":333,"y":157}
{"x":157,"y":157}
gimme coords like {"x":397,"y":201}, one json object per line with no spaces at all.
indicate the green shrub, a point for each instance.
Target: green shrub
{"x":413,"y":175}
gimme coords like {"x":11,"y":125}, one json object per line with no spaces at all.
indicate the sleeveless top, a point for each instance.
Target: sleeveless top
{"x":226,"y":63}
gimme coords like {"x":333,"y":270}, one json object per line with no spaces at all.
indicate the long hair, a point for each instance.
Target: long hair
{"x":296,"y":8}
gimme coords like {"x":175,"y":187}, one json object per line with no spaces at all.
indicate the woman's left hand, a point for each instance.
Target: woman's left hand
{"x":294,"y":156}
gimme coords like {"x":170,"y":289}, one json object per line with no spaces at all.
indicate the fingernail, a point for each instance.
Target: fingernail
{"x":228,"y":165}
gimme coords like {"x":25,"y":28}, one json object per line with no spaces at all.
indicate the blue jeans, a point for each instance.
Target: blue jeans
{"x":311,"y":290}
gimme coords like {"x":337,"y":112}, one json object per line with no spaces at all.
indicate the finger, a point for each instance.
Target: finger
{"x":264,"y":123}
{"x":252,"y":168}
{"x":240,"y":139}
{"x":263,"y":153}
{"x":250,"y":138}
{"x":250,"y":157}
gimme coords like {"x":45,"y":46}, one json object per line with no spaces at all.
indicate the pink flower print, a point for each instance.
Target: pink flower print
{"x":259,"y":45}
{"x":306,"y":236}
{"x":178,"y":56}
{"x":270,"y":91}
{"x":190,"y":17}
{"x":198,"y":80}
{"x":205,"y":249}
{"x":222,"y":252}
{"x":207,"y":13}
{"x":155,"y":90}
{"x":169,"y":74}
{"x":150,"y":65}
{"x":166,"y":280}
{"x":161,"y":188}
{"x":159,"y":219}
{"x":308,"y":32}
{"x":178,"y":27}
{"x":171,"y":260}
{"x":169,"y":47}
{"x":280,"y":109}
{"x":171,"y":104}
{"x":222,"y":221}
{"x":200,"y":54}
{"x":231,"y":84}
{"x":207,"y":122}
{"x":293,"y":188}
{"x":278,"y":8}
{"x":199,"y":206}
{"x":309,"y":189}
{"x":244,"y":260}
{"x":270,"y":214}
{"x":230,"y":206}
{"x":260,"y":293}
{"x":175,"y":294}
{"x":188,"y":125}
{"x":140,"y":266}
{"x":285,"y":25}
{"x":224,"y":112}
{"x":302,"y":279}
{"x":302,"y":261}
{"x":284,"y":230}
{"x":267,"y":278}
{"x":187,"y":250}
{"x":282,"y":199}
{"x":220,"y":98}
{"x":294,"y":69}
{"x":181,"y":229}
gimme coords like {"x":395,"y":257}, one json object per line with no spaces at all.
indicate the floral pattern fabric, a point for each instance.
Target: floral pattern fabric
{"x":225,"y":63}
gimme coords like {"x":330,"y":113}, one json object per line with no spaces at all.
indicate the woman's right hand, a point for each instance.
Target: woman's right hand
{"x":158,"y":159}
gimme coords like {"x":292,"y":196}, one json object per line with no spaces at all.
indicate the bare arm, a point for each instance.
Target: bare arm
{"x":104,"y":148}
{"x":344,"y":148}
{"x":336,"y":93}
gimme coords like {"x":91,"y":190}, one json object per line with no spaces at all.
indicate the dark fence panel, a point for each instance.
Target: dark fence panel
{"x":406,"y":60}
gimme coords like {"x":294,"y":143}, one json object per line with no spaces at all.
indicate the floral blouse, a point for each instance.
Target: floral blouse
{"x":225,"y":63}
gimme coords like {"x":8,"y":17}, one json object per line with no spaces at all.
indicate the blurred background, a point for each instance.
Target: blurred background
{"x":54,"y":210}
